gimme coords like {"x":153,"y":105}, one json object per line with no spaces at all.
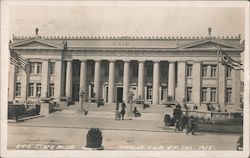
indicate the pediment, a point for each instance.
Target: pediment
{"x":211,"y":43}
{"x":35,"y":43}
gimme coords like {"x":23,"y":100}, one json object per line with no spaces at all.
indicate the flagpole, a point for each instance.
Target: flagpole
{"x":218,"y":51}
{"x":27,"y":79}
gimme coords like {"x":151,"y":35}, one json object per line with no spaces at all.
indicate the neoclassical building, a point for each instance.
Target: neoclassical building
{"x":152,"y":68}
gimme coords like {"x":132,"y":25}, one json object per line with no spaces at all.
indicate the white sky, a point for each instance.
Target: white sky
{"x":126,"y":20}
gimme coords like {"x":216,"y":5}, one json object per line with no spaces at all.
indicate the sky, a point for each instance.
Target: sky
{"x":125,"y":20}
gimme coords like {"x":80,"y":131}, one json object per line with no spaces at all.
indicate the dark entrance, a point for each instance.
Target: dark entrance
{"x":119,"y":94}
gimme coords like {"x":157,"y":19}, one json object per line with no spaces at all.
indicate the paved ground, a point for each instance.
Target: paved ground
{"x":68,"y":128}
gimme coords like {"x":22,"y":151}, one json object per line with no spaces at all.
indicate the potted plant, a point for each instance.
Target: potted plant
{"x":94,"y":139}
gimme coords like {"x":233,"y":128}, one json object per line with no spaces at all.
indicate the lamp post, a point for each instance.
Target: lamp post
{"x":38,"y":97}
{"x":81,"y":93}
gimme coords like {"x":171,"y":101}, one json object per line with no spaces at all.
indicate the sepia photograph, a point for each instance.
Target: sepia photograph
{"x":124,"y":79}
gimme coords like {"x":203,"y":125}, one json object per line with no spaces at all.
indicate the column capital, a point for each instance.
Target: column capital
{"x":197,"y":61}
{"x":83,"y":60}
{"x":156,"y":61}
{"x":126,"y":61}
{"x":111,"y":61}
{"x":171,"y":61}
{"x":69,"y":60}
{"x":141,"y":61}
{"x":181,"y":61}
{"x":97,"y":60}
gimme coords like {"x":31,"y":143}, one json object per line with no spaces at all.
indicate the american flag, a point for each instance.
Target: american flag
{"x":18,"y":60}
{"x":227,"y":60}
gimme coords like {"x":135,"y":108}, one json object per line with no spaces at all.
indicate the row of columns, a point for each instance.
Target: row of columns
{"x":126,"y":80}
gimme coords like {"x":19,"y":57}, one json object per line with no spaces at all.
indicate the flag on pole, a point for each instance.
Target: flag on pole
{"x":228,"y":61}
{"x":18,"y":60}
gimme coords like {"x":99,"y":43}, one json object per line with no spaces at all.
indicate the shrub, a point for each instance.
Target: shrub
{"x":94,"y":138}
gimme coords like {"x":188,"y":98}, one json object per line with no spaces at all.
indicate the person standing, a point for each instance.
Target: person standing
{"x":192,"y":121}
{"x":123,"y":109}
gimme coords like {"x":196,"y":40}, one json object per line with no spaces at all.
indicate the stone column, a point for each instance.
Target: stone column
{"x":12,"y":82}
{"x":171,"y":79}
{"x":68,"y":90}
{"x":111,"y":87}
{"x":181,"y":81}
{"x":97,"y":78}
{"x":126,"y":76}
{"x":141,"y":79}
{"x":45,"y":78}
{"x":83,"y":79}
{"x":236,"y":88}
{"x":156,"y":82}
{"x":196,"y":98}
{"x":58,"y":79}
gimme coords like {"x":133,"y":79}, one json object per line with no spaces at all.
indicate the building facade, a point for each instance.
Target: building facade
{"x":152,"y":68}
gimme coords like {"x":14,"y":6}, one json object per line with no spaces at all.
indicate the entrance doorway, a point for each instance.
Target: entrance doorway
{"x":119,"y":94}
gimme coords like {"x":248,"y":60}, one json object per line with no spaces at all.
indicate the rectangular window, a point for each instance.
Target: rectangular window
{"x":149,"y":92}
{"x":189,"y":70}
{"x":213,"y":70}
{"x":18,"y":70}
{"x":189,"y":94}
{"x":32,"y":68}
{"x":204,"y":71}
{"x":51,"y":90}
{"x":120,"y":70}
{"x":52,"y":68}
{"x":229,"y":95}
{"x":204,"y":94}
{"x":31,"y":89}
{"x":213,"y":95}
{"x":135,"y":71}
{"x":18,"y":89}
{"x":229,"y":72}
{"x":106,"y":69}
{"x":149,"y":71}
{"x":38,"y":89}
{"x":39,"y":68}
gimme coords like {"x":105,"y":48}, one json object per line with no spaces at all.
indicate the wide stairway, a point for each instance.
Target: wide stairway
{"x":153,"y":112}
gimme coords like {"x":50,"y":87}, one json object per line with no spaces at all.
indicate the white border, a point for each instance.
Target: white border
{"x":4,"y":82}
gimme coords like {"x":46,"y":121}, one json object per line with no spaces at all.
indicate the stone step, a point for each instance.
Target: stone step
{"x":111,"y":115}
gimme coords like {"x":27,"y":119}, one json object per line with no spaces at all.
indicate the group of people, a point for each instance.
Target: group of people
{"x":120,"y":114}
{"x":185,"y":122}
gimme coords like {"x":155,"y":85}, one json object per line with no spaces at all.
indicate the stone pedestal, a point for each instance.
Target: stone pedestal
{"x":63,"y":103}
{"x":46,"y":108}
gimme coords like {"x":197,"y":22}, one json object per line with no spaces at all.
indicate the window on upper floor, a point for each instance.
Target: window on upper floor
{"x":18,"y":70}
{"x":120,"y":70}
{"x":189,"y":70}
{"x":52,"y":68}
{"x":228,"y":72}
{"x":213,"y":71}
{"x":149,"y":71}
{"x":204,"y":70}
{"x":39,"y":67}
{"x":135,"y":70}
